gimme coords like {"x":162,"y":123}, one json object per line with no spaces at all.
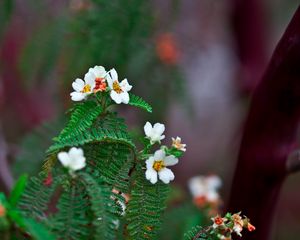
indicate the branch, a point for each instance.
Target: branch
{"x":269,"y":135}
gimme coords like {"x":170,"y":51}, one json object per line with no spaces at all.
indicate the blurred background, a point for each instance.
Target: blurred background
{"x":195,"y":62}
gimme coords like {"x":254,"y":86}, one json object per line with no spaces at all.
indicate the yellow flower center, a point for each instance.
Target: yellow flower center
{"x":116,"y":87}
{"x":86,"y":88}
{"x":158,"y":165}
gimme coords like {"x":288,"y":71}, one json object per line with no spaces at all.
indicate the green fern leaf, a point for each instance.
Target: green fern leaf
{"x":146,"y":207}
{"x":105,"y":211}
{"x":82,"y":118}
{"x":139,"y":102}
{"x":71,"y":220}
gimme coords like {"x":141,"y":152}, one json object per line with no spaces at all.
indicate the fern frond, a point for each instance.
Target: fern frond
{"x":104,"y":208}
{"x":36,"y":197}
{"x":146,"y":206}
{"x":139,"y":102}
{"x":83,"y":116}
{"x":106,"y":129}
{"x":71,"y":220}
{"x":112,"y":161}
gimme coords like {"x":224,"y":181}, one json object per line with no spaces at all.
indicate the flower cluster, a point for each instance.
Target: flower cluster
{"x":156,"y":164}
{"x":204,"y":190}
{"x":97,"y":79}
{"x":231,"y":223}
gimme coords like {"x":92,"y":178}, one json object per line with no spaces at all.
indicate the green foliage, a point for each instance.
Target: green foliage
{"x":83,"y":116}
{"x":70,"y":221}
{"x":144,"y":214}
{"x":18,"y":190}
{"x":112,"y":161}
{"x":105,"y":211}
{"x":139,"y":102}
{"x":37,"y":196}
{"x":197,"y":233}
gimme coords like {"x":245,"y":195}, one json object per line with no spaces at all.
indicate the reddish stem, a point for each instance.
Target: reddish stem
{"x":269,"y":135}
{"x":248,"y":26}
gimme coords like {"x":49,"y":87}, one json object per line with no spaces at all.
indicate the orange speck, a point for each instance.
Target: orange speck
{"x":200,"y":201}
{"x":166,"y":49}
{"x":2,"y":211}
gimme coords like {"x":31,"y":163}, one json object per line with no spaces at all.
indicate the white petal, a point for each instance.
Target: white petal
{"x":78,"y":163}
{"x":166,"y":175}
{"x":149,"y":162}
{"x":125,"y":97}
{"x":197,"y":186}
{"x":109,"y":81}
{"x":170,"y":160}
{"x":159,"y":128}
{"x":113,"y":74}
{"x":64,"y":158}
{"x":99,"y":71}
{"x":80,"y":82}
{"x":75,"y":152}
{"x":89,"y":79}
{"x":78,"y":85}
{"x":159,"y":155}
{"x":162,"y":137}
{"x":213,"y":182}
{"x":125,"y":85}
{"x":148,"y":129}
{"x":116,"y":97}
{"x":212,"y":196}
{"x":75,"y":96}
{"x":151,"y":175}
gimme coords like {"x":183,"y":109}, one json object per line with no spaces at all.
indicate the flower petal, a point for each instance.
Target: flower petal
{"x":149,"y":162}
{"x":166,"y":175}
{"x":151,"y":175}
{"x":98,"y":71}
{"x":75,"y":152}
{"x":125,"y":85}
{"x":79,"y":82}
{"x":78,"y":85}
{"x":76,"y":96}
{"x":113,"y":74}
{"x":125,"y":97}
{"x":89,"y":79}
{"x":148,"y":129}
{"x":159,"y":128}
{"x":170,"y":160}
{"x":116,"y":97}
{"x":159,"y":155}
{"x":109,"y":81}
{"x":78,"y":163}
{"x":64,"y":158}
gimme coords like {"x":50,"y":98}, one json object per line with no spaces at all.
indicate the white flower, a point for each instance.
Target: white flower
{"x":83,"y":88}
{"x":99,"y":74}
{"x":119,"y":91}
{"x":154,"y":133}
{"x":176,"y":143}
{"x":73,"y":160}
{"x":157,"y":165}
{"x":201,"y":186}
